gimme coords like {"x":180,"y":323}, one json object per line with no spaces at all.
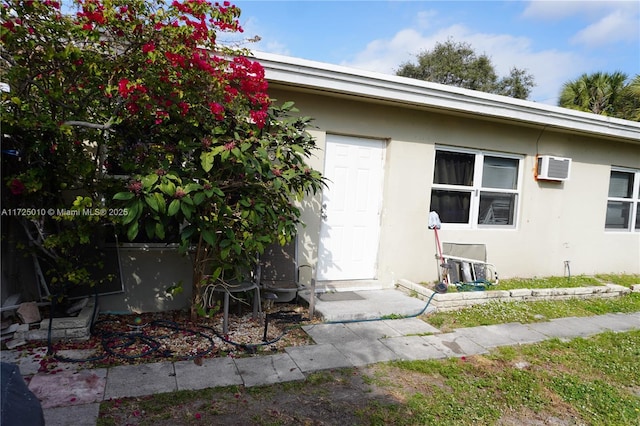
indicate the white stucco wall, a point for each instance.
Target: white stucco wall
{"x":557,"y":222}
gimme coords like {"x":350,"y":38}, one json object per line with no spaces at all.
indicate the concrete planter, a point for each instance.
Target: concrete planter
{"x":453,"y":301}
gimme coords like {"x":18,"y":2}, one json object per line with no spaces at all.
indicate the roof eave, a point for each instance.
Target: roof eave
{"x":339,"y":80}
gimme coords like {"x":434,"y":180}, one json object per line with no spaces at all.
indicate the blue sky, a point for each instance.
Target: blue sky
{"x":556,"y":41}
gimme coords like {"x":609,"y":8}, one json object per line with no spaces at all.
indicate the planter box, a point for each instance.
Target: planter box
{"x":458,"y":300}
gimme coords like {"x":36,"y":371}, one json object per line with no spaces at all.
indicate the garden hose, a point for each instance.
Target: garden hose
{"x":383,"y":317}
{"x":114,"y":341}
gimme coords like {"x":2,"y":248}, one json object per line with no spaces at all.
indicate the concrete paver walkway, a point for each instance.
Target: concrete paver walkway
{"x":350,"y":344}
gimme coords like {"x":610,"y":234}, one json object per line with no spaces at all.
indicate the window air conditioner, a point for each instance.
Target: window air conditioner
{"x":553,"y":168}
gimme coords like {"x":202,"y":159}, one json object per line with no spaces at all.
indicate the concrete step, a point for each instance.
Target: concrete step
{"x":364,"y":305}
{"x":352,"y":285}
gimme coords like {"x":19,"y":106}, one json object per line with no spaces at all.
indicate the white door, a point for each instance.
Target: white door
{"x":350,"y":228}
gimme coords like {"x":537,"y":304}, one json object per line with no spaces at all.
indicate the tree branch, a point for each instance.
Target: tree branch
{"x":105,"y":126}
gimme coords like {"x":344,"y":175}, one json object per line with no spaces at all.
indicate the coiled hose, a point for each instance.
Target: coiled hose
{"x":114,"y":343}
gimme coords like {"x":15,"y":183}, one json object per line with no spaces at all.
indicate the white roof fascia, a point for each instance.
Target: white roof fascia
{"x":349,"y":81}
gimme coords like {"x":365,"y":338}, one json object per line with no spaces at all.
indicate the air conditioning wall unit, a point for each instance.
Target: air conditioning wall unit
{"x":552,"y":168}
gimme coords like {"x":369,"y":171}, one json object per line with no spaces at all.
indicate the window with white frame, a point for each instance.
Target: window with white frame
{"x":623,"y":200}
{"x":476,"y":188}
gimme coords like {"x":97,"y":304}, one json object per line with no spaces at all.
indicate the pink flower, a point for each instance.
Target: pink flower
{"x":198,"y":416}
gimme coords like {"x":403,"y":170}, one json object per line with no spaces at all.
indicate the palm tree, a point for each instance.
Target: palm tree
{"x":598,"y":93}
{"x":630,"y":101}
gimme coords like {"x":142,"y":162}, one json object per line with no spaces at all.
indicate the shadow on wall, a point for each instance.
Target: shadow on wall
{"x":149,"y":273}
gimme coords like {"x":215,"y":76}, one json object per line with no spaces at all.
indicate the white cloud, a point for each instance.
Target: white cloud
{"x":606,"y":22}
{"x":550,"y":68}
{"x":555,"y":10}
{"x":615,"y":27}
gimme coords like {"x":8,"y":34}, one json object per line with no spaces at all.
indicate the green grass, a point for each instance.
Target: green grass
{"x":547,"y":282}
{"x":591,"y":381}
{"x":528,"y":312}
{"x":626,"y":280}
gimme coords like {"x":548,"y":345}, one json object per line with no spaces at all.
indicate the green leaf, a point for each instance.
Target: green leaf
{"x":187,"y":232}
{"x":192,"y":187}
{"x":263,"y":152}
{"x":224,"y":253}
{"x":133,"y":212}
{"x":149,"y":180}
{"x":173,"y":176}
{"x":132,"y":232}
{"x":152,"y":202}
{"x":162,"y":204}
{"x":206,"y":160}
{"x":160,"y":230}
{"x":216,"y":273}
{"x":150,"y":229}
{"x":287,"y":105}
{"x":198,"y":198}
{"x":168,"y":188}
{"x":174,"y":207}
{"x":209,"y":236}
{"x":124,"y":196}
{"x":186,"y":209}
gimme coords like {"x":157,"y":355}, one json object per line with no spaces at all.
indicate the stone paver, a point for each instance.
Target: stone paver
{"x":74,"y":415}
{"x":517,"y":332}
{"x":452,"y":345}
{"x":412,"y":348}
{"x":372,"y":330}
{"x":330,"y":333}
{"x":361,"y":353}
{"x":143,"y":379}
{"x":318,"y":357}
{"x":266,"y":370}
{"x":619,"y":322}
{"x":486,"y":336}
{"x":568,"y":328}
{"x":411,"y":326}
{"x":69,"y":387}
{"x":212,"y":373}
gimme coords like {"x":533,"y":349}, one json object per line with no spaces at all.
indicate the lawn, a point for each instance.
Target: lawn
{"x":594,"y":381}
{"x":528,"y":312}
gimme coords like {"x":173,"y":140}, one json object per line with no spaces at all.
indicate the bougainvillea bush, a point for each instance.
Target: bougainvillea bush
{"x":133,"y":110}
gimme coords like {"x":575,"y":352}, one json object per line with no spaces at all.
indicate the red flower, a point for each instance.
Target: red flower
{"x":184,"y":107}
{"x":17,"y":187}
{"x":148,"y":47}
{"x":217,"y":110}
{"x":259,"y":117}
{"x":123,"y":88}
